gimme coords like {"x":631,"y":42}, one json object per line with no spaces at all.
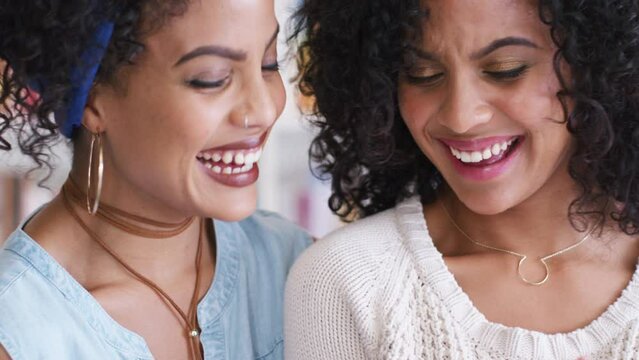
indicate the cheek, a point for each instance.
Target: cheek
{"x":154,"y":126}
{"x":534,"y":103}
{"x":416,"y":108}
{"x":148,"y":122}
{"x":411,"y":106}
{"x":278,"y":94}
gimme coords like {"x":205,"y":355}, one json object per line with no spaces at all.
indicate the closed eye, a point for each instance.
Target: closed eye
{"x":202,"y":84}
{"x":271,"y":67}
{"x":507,"y":74}
{"x":424,"y":80}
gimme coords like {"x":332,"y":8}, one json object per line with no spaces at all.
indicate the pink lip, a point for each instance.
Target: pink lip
{"x":246,"y":144}
{"x":477,"y":144}
{"x":235,"y":180}
{"x":242,"y":179}
{"x":478,"y":171}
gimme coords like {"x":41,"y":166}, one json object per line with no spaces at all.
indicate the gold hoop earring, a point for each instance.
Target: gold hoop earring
{"x":92,"y":208}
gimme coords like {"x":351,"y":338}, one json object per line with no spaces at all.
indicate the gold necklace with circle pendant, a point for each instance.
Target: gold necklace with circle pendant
{"x":522,"y":257}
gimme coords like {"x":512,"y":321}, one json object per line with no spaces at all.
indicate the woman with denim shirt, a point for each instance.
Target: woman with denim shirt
{"x":152,"y":249}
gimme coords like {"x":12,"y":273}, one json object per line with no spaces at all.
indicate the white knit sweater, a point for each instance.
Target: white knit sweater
{"x":379,"y":289}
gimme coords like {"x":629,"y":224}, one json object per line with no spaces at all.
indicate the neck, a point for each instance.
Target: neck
{"x":138,"y":244}
{"x":536,"y":227}
{"x":124,"y":195}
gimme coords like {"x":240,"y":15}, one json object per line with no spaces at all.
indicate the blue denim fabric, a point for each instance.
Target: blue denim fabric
{"x":46,"y":314}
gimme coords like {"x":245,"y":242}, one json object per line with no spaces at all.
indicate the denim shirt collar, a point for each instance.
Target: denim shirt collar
{"x":209,"y":310}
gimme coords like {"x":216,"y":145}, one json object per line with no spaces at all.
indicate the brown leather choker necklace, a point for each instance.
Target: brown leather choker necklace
{"x":119,"y":219}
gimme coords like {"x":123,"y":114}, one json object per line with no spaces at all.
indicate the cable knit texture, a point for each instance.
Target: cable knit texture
{"x":379,"y":289}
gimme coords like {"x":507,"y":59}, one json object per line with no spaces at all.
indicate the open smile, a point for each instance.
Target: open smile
{"x":483,"y":159}
{"x":230,"y":161}
{"x":234,"y":164}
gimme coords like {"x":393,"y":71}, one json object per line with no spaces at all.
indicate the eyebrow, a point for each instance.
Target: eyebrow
{"x":497,"y":44}
{"x":425,"y":55}
{"x":221,"y":51}
{"x":507,"y":41}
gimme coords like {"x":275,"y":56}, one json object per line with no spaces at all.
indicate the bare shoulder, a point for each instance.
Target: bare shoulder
{"x":48,"y":224}
{"x":3,"y":354}
{"x":57,"y":233}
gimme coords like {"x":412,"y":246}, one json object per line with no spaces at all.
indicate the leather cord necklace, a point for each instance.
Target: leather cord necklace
{"x":120,"y":219}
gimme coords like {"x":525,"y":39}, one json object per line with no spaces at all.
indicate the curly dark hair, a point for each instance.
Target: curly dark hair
{"x":351,"y":53}
{"x":42,"y":40}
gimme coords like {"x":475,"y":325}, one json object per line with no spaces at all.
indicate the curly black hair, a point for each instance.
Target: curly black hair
{"x":42,"y":42}
{"x":351,"y":54}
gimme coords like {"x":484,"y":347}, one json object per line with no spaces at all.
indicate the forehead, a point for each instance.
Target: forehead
{"x":241,"y":24}
{"x":470,"y":24}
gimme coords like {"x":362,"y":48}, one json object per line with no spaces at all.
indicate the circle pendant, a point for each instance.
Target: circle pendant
{"x":524,"y":279}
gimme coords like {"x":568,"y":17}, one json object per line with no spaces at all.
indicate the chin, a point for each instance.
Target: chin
{"x":487,"y":202}
{"x":232,"y":210}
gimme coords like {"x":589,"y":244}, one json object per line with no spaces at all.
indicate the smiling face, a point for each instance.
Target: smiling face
{"x":480,"y":101}
{"x":184,"y":133}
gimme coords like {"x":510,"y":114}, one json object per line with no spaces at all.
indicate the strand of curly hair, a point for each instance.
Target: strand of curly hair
{"x":42,"y":42}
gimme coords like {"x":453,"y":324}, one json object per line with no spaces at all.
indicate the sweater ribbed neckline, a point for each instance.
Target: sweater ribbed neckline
{"x":499,"y":338}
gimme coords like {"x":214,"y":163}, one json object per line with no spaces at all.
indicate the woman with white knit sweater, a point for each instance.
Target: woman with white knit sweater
{"x":490,"y":152}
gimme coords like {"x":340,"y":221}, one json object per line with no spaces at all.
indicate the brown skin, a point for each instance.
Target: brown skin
{"x":153,"y":131}
{"x":525,"y":208}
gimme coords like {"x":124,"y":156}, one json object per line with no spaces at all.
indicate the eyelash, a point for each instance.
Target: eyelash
{"x":507,"y":75}
{"x":199,"y":84}
{"x":424,"y":80}
{"x":271,"y":67}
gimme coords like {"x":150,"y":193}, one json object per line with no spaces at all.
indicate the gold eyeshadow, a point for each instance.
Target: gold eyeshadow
{"x":423,"y":71}
{"x":502,"y":66}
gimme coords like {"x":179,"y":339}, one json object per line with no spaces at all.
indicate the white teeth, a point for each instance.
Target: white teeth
{"x":234,"y":157}
{"x":208,"y":165}
{"x":496,"y":149}
{"x":486,"y":154}
{"x":249,"y":158}
{"x":456,"y":153}
{"x":227,"y":158}
{"x":239,"y":159}
{"x":228,"y":170}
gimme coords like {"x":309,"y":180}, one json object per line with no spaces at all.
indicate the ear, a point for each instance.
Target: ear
{"x":94,"y":117}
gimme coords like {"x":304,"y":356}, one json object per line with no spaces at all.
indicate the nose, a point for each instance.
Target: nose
{"x":259,"y":107}
{"x":465,"y":107}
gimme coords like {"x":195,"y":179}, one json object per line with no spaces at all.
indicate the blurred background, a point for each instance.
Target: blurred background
{"x":285,"y":186}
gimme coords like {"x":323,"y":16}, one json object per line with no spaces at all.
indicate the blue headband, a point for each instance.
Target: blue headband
{"x":82,"y":78}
